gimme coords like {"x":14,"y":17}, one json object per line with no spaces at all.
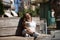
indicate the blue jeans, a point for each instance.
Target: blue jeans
{"x":16,"y":8}
{"x":35,"y":34}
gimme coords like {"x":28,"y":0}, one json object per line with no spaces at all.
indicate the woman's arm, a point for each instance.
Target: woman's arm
{"x":27,"y":28}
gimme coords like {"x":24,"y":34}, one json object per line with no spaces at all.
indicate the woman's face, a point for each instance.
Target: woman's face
{"x":28,"y":16}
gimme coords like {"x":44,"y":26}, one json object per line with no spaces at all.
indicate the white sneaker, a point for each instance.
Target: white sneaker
{"x":8,"y":13}
{"x":14,"y":13}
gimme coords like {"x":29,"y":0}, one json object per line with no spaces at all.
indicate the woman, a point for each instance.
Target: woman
{"x":55,"y":5}
{"x":29,"y":26}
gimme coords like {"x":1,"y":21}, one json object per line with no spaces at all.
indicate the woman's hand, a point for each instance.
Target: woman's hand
{"x":29,"y":31}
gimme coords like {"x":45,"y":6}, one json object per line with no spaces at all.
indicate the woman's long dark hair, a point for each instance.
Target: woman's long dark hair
{"x":24,"y":15}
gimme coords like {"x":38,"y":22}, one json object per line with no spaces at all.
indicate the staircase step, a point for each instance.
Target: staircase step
{"x":8,"y":22}
{"x":16,"y":38}
{"x":7,"y":31}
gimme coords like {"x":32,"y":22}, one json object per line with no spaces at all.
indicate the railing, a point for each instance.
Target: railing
{"x":43,"y":26}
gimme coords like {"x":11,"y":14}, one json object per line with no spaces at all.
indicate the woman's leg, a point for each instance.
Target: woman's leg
{"x":35,"y":35}
{"x":24,"y":33}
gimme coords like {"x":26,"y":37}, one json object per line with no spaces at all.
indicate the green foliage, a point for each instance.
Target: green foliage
{"x":20,"y":14}
{"x":1,"y":8}
{"x":33,"y":13}
{"x":38,"y":10}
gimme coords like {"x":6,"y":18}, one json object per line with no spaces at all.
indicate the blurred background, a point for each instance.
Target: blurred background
{"x":40,"y":11}
{"x":41,"y":8}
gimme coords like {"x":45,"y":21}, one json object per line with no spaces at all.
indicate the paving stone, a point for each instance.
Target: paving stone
{"x":16,"y":38}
